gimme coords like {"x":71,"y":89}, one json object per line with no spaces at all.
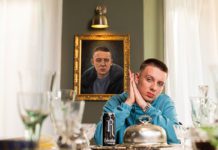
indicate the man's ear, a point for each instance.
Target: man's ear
{"x":137,"y":77}
{"x":92,"y":61}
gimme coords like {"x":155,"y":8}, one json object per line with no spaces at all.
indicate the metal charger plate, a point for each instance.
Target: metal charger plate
{"x":131,"y":147}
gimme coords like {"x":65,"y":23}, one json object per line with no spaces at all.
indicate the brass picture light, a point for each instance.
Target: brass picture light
{"x":100,"y":20}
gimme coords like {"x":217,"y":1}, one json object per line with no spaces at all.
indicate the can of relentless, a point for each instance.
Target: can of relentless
{"x":109,"y":129}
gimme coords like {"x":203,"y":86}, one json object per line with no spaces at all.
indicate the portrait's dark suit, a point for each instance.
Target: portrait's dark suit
{"x":115,"y":76}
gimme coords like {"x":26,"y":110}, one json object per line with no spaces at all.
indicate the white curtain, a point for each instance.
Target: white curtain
{"x":30,"y":38}
{"x":191,"y":38}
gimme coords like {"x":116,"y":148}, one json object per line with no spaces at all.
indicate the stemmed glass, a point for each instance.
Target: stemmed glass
{"x":66,"y":115}
{"x":180,"y":132}
{"x":33,"y":100}
{"x":89,"y":129}
{"x":183,"y":133}
{"x":202,"y":111}
{"x":33,"y":109}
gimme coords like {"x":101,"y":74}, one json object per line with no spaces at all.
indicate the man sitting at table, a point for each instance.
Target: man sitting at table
{"x":143,"y":98}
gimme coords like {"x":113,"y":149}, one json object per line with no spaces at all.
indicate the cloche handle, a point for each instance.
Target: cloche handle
{"x":143,"y":117}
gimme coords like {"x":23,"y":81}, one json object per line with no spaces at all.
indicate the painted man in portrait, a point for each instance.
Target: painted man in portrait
{"x":103,"y":77}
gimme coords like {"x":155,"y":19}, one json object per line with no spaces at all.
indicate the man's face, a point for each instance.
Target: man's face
{"x":102,"y":62}
{"x":150,"y":82}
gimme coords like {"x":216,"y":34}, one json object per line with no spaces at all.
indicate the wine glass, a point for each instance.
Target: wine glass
{"x":89,"y":129}
{"x":181,"y":133}
{"x":33,"y":109}
{"x":66,"y":115}
{"x":203,"y":89}
{"x":202,"y":110}
{"x":33,"y":100}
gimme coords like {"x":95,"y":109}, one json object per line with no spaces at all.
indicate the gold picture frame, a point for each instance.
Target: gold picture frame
{"x":84,"y":44}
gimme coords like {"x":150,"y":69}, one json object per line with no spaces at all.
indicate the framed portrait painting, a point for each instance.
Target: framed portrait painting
{"x":101,"y":64}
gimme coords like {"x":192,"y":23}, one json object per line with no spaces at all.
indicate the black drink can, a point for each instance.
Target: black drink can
{"x":109,"y":129}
